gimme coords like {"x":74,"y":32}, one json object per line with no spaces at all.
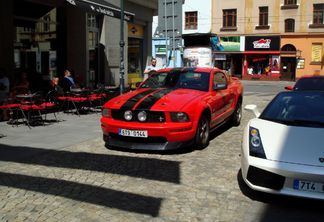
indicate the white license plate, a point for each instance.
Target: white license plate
{"x":308,"y":186}
{"x":133,"y":133}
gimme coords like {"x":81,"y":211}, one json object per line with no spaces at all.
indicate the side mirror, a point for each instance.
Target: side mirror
{"x":290,"y":88}
{"x":219,"y":86}
{"x":253,"y":108}
{"x":137,"y":84}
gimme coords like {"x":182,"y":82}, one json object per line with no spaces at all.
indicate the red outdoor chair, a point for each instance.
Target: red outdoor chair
{"x":14,"y":109}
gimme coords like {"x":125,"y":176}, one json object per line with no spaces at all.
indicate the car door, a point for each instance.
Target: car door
{"x":220,"y":97}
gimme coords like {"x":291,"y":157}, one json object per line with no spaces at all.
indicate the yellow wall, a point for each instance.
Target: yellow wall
{"x":304,"y":43}
{"x":249,"y":16}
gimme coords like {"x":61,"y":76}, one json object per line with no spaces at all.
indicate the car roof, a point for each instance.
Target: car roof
{"x":310,"y":83}
{"x":193,"y":69}
{"x":311,"y":76}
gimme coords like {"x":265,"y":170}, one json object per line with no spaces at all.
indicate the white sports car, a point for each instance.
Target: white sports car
{"x":283,"y":148}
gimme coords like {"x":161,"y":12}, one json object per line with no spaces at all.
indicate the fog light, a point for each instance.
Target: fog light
{"x":128,"y":115}
{"x":142,"y":116}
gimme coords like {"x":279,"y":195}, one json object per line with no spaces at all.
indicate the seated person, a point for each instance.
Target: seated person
{"x":67,"y":81}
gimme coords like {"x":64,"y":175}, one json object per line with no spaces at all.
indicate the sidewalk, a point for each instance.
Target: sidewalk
{"x":56,"y":135}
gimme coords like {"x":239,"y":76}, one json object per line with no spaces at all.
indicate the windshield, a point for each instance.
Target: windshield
{"x":312,"y":83}
{"x":296,"y":108}
{"x":178,"y":79}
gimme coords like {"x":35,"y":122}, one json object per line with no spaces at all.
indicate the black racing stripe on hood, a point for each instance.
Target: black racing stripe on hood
{"x":149,"y":101}
{"x":129,"y":104}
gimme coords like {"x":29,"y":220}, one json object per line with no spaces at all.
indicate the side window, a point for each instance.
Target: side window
{"x":219,"y":79}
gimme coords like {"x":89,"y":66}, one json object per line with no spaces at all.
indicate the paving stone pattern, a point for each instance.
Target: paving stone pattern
{"x":87,"y":182}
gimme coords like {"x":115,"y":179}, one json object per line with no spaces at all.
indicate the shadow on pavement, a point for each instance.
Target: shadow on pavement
{"x":82,"y":192}
{"x":283,"y":208}
{"x":148,"y":168}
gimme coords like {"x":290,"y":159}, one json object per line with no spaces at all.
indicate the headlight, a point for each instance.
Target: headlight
{"x":179,"y":117}
{"x":142,"y":116}
{"x":106,"y":112}
{"x":255,"y":143}
{"x":128,"y":115}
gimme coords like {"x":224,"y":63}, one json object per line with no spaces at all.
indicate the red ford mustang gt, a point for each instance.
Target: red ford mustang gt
{"x":171,"y":109}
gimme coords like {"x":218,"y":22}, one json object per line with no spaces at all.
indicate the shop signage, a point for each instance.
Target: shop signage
{"x":300,"y":63}
{"x":102,"y":7}
{"x":262,"y":43}
{"x":220,"y":57}
{"x":135,"y":30}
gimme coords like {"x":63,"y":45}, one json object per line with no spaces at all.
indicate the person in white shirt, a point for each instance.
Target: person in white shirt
{"x":150,"y":68}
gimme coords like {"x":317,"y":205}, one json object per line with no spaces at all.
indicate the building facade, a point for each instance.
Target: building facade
{"x":279,"y":39}
{"x":83,"y":36}
{"x":197,"y":33}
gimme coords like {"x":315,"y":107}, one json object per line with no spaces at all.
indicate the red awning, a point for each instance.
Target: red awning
{"x":261,"y":52}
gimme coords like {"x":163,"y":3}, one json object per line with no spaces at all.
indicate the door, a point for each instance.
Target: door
{"x":288,"y":68}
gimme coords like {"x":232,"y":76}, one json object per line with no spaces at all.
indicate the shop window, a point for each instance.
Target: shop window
{"x":289,"y":25}
{"x":262,"y":65}
{"x":191,"y":21}
{"x":229,"y":20}
{"x":263,"y":18}
{"x":317,"y":53}
{"x":318,"y":16}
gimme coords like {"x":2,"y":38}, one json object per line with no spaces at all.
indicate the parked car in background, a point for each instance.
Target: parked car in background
{"x":173,"y":108}
{"x":282,"y":149}
{"x":308,"y":83}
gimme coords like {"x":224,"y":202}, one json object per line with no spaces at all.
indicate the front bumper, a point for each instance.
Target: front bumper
{"x":278,"y":177}
{"x":161,"y":136}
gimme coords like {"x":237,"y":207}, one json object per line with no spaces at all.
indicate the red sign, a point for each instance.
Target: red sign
{"x":262,"y":44}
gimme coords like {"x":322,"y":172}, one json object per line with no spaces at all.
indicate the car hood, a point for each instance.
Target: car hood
{"x":157,"y":99}
{"x":300,"y":145}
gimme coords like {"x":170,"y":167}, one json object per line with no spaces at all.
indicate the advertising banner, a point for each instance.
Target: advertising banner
{"x":197,"y":56}
{"x":226,"y":44}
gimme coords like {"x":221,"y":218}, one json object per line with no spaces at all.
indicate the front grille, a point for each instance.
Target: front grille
{"x":150,"y":139}
{"x":264,"y":178}
{"x":152,"y":116}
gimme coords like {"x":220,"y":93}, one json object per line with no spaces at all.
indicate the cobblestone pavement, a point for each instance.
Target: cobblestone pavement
{"x":87,"y":182}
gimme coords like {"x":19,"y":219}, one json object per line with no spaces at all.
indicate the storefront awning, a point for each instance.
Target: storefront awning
{"x":102,"y":7}
{"x":261,"y":52}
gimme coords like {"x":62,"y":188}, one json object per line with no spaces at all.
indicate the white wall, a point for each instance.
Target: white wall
{"x":203,"y":7}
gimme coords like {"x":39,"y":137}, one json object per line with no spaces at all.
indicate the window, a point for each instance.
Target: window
{"x":229,"y":19}
{"x":219,"y":78}
{"x":263,"y":16}
{"x":191,"y":20}
{"x":317,"y":49}
{"x":290,"y":2}
{"x":46,"y":24}
{"x":289,"y":25}
{"x":318,"y":12}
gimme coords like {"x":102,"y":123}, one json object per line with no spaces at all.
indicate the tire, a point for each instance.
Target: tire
{"x":202,"y":133}
{"x":237,"y":115}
